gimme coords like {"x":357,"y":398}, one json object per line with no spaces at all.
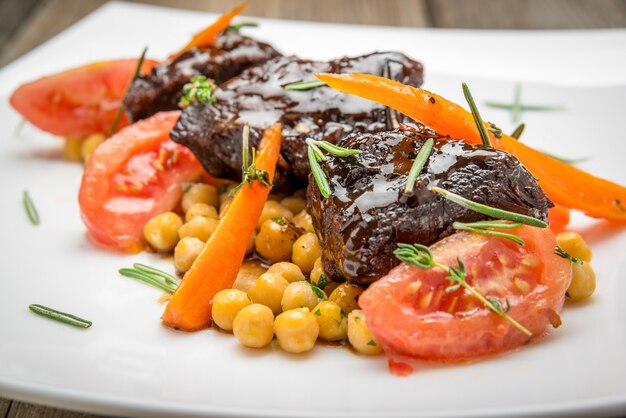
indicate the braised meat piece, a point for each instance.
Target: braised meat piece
{"x":369,"y":212}
{"x":229,"y":56}
{"x":258,"y":97}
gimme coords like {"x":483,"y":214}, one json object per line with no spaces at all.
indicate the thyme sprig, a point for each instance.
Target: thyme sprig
{"x":120,"y":111}
{"x":490,"y":211}
{"x":152,"y":276}
{"x":487,"y":228}
{"x":199,"y":90}
{"x":421,"y":257}
{"x":484,"y":136}
{"x":237,"y":26}
{"x":29,"y":207}
{"x":316,"y":156}
{"x":249,"y":172}
{"x":517,"y":107}
{"x":518,"y":131}
{"x":564,"y":254}
{"x":304,"y":85}
{"x":418,"y":164}
{"x":59,"y":316}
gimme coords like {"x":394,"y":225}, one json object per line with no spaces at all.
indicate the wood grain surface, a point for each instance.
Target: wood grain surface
{"x":28,"y":23}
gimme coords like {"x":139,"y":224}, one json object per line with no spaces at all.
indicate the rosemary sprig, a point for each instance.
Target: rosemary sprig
{"x":316,"y":156}
{"x":517,"y":103}
{"x":567,"y":160}
{"x":304,"y":85}
{"x":237,"y":26}
{"x":484,"y":136}
{"x":487,"y":228}
{"x":564,"y":254}
{"x":249,"y":173}
{"x":420,"y":161}
{"x":59,"y":316}
{"x":525,"y":107}
{"x":421,"y":257}
{"x":518,"y":131}
{"x":490,"y":211}
{"x":199,"y":90}
{"x":29,"y":207}
{"x":152,"y":276}
{"x":120,"y":111}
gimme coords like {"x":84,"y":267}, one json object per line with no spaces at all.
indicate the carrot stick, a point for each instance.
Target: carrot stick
{"x":218,"y":264}
{"x":207,"y":36}
{"x":564,"y":184}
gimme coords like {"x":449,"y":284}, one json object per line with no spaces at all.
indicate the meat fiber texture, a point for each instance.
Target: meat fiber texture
{"x":258,"y":97}
{"x":369,"y":212}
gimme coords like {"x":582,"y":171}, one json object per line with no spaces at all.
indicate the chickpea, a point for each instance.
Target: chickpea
{"x":161,"y":232}
{"x":198,"y":227}
{"x":305,"y":251}
{"x":574,"y":244}
{"x":89,"y":145}
{"x":72,"y":149}
{"x":346,"y":295}
{"x":289,"y":271}
{"x":360,"y":336}
{"x":248,"y":273}
{"x":268,"y":290}
{"x":201,"y":209}
{"x":275,"y":240}
{"x":224,"y":192}
{"x":250,"y":246}
{"x":303,"y":221}
{"x":223,"y":206}
{"x":276,"y":197}
{"x":226,"y":305}
{"x":330,"y":287}
{"x":186,"y":252}
{"x":317,"y":273}
{"x":273,"y":209}
{"x":332,"y":321}
{"x":583,"y":282}
{"x":296,"y":330}
{"x":294,"y":204}
{"x":301,"y":295}
{"x":199,"y":193}
{"x":254,"y":326}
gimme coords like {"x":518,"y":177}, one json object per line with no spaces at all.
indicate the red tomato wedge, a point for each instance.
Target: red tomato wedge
{"x":410,"y":313}
{"x":131,"y":177}
{"x":80,"y":101}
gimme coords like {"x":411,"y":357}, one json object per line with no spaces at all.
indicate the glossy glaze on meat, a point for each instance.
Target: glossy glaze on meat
{"x":231,"y":54}
{"x":368,"y":212}
{"x":258,"y":97}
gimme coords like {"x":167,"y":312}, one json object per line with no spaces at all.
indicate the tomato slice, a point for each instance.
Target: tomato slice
{"x":79,"y":101}
{"x":131,"y":177}
{"x":410,"y":313}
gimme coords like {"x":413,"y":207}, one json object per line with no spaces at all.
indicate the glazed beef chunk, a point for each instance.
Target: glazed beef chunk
{"x":369,"y":212}
{"x":231,"y":54}
{"x":258,"y":97}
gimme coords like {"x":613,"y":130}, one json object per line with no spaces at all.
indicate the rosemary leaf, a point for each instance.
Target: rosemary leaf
{"x":337,"y":150}
{"x":518,"y":131}
{"x":304,"y":85}
{"x":318,"y":174}
{"x":525,"y":107}
{"x":237,"y":26}
{"x":120,"y":111}
{"x":517,"y":103}
{"x":484,"y":136}
{"x":483,"y":230}
{"x":29,"y":206}
{"x":59,"y":316}
{"x":418,"y":164}
{"x":569,"y":161}
{"x":154,"y":271}
{"x":148,"y":279}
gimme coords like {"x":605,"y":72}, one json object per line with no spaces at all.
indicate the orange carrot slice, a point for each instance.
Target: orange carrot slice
{"x":218,"y":264}
{"x":208,"y":35}
{"x":564,"y":184}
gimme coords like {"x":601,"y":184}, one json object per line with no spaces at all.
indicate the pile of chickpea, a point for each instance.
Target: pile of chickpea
{"x":292,"y":299}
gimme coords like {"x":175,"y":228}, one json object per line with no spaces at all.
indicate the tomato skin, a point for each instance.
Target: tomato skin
{"x":79,"y":101}
{"x":558,"y":218}
{"x":395,"y":316}
{"x":125,"y":183}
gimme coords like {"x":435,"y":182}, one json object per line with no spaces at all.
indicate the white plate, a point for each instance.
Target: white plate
{"x":127,"y":363}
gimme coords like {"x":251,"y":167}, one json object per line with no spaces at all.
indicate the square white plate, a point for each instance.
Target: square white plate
{"x":128,"y":364}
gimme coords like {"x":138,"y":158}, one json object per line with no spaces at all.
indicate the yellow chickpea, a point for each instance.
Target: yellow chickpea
{"x":301,"y":295}
{"x":250,"y":246}
{"x":360,"y":336}
{"x":303,"y":221}
{"x":289,"y":271}
{"x":161,"y":232}
{"x":201,"y":209}
{"x":275,"y":240}
{"x":198,"y":227}
{"x":332,"y":320}
{"x":296,"y":330}
{"x":268,"y":290}
{"x":317,"y":273}
{"x":224,"y":192}
{"x":224,"y":206}
{"x":226,"y":305}
{"x":254,"y":326}
{"x":294,"y":204}
{"x":305,"y":251}
{"x":346,"y":295}
{"x":186,"y":252}
{"x":72,"y":149}
{"x":248,"y":274}
{"x":583,"y":282}
{"x":273,"y":209}
{"x":89,"y":145}
{"x":199,"y":193}
{"x":574,"y":244}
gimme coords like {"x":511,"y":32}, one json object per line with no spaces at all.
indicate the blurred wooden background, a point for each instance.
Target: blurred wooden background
{"x":28,"y":23}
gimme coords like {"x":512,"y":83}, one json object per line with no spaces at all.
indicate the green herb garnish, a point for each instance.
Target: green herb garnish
{"x":120,"y":111}
{"x":322,"y":281}
{"x":518,"y":131}
{"x":59,"y":316}
{"x":372,"y":342}
{"x":418,"y":164}
{"x":487,"y":228}
{"x":517,"y":107}
{"x":316,"y":156}
{"x":29,"y":207}
{"x":280,"y":220}
{"x":567,"y":160}
{"x":484,"y":136}
{"x":200,"y":90}
{"x":249,"y":173}
{"x":151,"y":276}
{"x":318,"y":292}
{"x":564,"y":254}
{"x":490,"y":211}
{"x":237,"y":26}
{"x":421,"y":257}
{"x":317,"y":312}
{"x":304,"y":85}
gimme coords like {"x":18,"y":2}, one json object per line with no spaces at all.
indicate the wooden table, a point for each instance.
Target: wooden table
{"x":28,"y":23}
